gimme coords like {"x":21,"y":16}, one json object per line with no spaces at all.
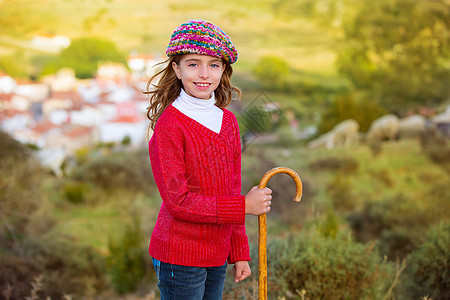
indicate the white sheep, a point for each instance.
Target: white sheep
{"x":344,"y":133}
{"x":440,"y":123}
{"x":412,"y":126}
{"x":325,"y":140}
{"x":385,"y":127}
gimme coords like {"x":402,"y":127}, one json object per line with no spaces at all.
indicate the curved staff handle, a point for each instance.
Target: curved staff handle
{"x":262,"y":223}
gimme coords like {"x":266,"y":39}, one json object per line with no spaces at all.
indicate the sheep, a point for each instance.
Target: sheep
{"x":325,"y":140}
{"x":385,"y":127}
{"x":412,"y":126}
{"x":344,"y":133}
{"x":441,"y":123}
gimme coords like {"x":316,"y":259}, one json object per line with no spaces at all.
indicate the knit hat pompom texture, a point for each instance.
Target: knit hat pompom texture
{"x":201,"y":37}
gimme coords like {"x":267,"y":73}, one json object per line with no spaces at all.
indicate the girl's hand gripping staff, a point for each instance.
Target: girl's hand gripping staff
{"x":262,"y":223}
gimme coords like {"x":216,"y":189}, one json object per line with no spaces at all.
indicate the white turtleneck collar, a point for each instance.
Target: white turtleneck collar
{"x":203,"y":111}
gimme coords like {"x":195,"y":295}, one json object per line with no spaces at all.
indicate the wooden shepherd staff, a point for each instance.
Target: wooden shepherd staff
{"x":262,"y":222}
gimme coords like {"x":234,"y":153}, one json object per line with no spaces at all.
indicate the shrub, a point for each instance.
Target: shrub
{"x":21,"y":177}
{"x":119,"y":170}
{"x":326,"y":268}
{"x":364,"y":111}
{"x":68,"y":268}
{"x":429,"y":271}
{"x":272,"y":72}
{"x":368,"y":223}
{"x":339,"y":190}
{"x":398,"y":220}
{"x":285,"y":136}
{"x":330,"y":226}
{"x":436,"y":148}
{"x":345,"y":166}
{"x":15,"y":275}
{"x":396,"y":243}
{"x":126,"y":260}
{"x":84,"y":54}
{"x":75,"y":192}
{"x":126,"y":141}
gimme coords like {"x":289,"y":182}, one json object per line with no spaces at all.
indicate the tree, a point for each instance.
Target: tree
{"x":399,"y":49}
{"x":83,"y":55}
{"x":271,"y":71}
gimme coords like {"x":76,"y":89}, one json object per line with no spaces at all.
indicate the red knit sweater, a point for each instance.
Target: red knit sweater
{"x":198,"y":174}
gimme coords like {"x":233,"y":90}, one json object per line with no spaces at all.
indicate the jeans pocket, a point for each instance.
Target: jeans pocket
{"x":157,"y":266}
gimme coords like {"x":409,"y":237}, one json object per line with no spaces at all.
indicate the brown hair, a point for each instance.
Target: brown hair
{"x":168,"y":87}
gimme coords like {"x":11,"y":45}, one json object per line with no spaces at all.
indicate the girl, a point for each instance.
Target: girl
{"x":195,"y":156}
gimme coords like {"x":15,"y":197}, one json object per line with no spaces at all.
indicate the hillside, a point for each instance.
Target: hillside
{"x":257,"y":27}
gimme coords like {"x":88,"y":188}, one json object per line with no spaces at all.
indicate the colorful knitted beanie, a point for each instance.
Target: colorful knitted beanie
{"x":201,"y":37}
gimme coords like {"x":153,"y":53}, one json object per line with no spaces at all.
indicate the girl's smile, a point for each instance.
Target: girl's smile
{"x":199,"y":74}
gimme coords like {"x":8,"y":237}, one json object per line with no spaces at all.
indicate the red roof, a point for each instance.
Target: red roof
{"x":5,"y":97}
{"x":126,"y":119}
{"x":44,"y":126}
{"x":77,"y":131}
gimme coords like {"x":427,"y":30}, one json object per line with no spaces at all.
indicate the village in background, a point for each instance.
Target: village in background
{"x":61,"y":114}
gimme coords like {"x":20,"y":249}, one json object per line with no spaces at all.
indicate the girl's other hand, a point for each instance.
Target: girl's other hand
{"x":258,"y":201}
{"x":241,"y":270}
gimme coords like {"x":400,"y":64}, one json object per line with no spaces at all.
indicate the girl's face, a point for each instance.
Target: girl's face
{"x":200,"y":74}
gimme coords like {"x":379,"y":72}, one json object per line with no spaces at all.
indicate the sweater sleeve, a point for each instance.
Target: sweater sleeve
{"x":168,"y":166}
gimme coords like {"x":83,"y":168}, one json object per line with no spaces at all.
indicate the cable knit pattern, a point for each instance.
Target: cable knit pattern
{"x":198,"y":174}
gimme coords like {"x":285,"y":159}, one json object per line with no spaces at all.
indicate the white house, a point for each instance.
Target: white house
{"x":37,"y":134}
{"x":143,"y":65}
{"x":116,"y":130}
{"x":7,"y":83}
{"x":88,"y":115}
{"x":36,"y":92}
{"x":13,"y":120}
{"x":50,"y":42}
{"x":63,"y":80}
{"x":73,"y":137}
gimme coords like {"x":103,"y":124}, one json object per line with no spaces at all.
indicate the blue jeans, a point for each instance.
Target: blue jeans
{"x":177,"y":282}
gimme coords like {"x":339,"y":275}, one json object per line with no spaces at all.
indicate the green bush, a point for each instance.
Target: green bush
{"x":21,"y":179}
{"x":326,"y":268}
{"x":126,"y":260}
{"x":340,"y":193}
{"x":285,"y":136}
{"x":129,"y":170}
{"x":272,"y":72}
{"x":345,"y":166}
{"x":84,"y":54}
{"x":396,"y":221}
{"x":344,"y":107}
{"x":437,"y":148}
{"x":75,"y":192}
{"x":396,"y":243}
{"x":66,"y":266}
{"x":330,"y":226}
{"x":429,"y":266}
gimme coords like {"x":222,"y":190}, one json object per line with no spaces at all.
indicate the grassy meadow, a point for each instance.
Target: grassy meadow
{"x":372,"y":223}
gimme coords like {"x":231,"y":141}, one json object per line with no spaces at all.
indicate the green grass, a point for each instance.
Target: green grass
{"x":400,"y":169}
{"x":94,"y":224}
